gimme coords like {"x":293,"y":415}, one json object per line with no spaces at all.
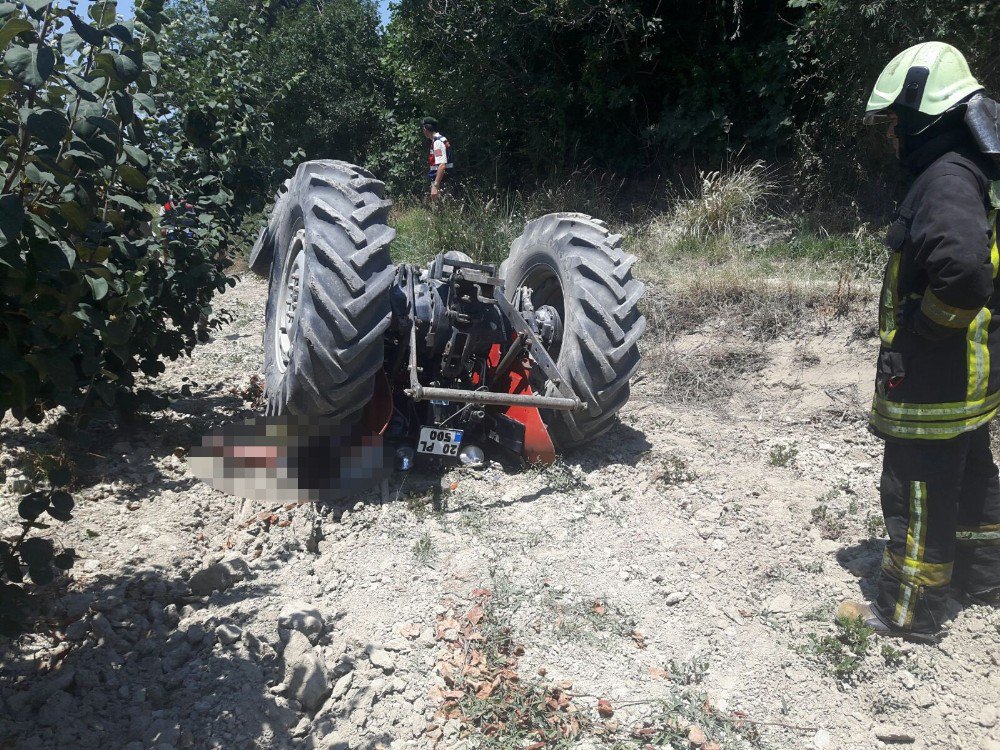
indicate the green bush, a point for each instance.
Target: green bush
{"x":477,"y":225}
{"x":97,"y":285}
{"x":94,"y":138}
{"x":89,"y":296}
{"x":840,"y":155}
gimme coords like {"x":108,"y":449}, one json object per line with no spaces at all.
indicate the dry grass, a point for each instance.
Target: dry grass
{"x":702,"y":376}
{"x":732,"y":224}
{"x":731,"y":202}
{"x":725,"y":276}
{"x":709,"y":335}
{"x":757,"y":309}
{"x":482,"y":688}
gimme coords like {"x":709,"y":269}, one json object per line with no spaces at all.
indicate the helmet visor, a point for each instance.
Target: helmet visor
{"x":884,"y":116}
{"x":879,"y":117}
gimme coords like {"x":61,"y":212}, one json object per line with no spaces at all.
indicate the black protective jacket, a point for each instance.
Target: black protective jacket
{"x":939,"y":365}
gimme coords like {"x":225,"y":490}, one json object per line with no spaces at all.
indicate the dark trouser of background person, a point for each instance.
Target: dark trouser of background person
{"x":447,"y":187}
{"x":941,"y":502}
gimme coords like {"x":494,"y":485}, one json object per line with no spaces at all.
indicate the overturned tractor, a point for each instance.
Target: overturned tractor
{"x":452,"y":360}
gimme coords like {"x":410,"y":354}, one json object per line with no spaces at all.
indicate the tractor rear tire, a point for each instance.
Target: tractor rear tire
{"x":571,"y":262}
{"x":328,"y":300}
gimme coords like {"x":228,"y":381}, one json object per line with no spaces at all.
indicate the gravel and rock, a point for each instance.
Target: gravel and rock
{"x":719,"y":536}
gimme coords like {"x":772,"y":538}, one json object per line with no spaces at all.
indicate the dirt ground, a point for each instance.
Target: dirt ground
{"x":686,"y":565}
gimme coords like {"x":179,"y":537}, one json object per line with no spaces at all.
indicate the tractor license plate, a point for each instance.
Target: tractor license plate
{"x":439,"y":442}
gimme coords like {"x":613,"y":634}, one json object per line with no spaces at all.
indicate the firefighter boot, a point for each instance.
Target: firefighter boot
{"x":870,"y":617}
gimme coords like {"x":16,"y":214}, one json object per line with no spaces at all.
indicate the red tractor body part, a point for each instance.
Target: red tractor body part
{"x":538,"y":446}
{"x":378,"y":411}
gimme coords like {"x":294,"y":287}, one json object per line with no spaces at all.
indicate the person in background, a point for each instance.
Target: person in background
{"x":177,"y":219}
{"x":937,"y":383}
{"x":440,"y":162}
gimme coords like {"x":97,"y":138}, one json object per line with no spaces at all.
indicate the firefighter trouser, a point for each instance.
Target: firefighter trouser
{"x":941,"y":502}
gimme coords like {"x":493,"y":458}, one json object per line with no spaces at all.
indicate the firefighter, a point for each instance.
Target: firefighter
{"x":938,"y":374}
{"x":440,"y":164}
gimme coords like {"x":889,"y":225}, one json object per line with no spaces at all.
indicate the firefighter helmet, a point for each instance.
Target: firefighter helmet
{"x":929,"y":78}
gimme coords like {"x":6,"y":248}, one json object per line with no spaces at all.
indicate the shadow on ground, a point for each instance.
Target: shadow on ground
{"x":130,"y":452}
{"x":862,"y":560}
{"x":622,"y":445}
{"x":130,"y":661}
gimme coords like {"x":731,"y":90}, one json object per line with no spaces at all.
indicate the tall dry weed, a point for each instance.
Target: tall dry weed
{"x":726,"y":201}
{"x":727,"y":214}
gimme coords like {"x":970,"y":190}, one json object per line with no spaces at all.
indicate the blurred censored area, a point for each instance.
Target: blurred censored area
{"x":291,"y":459}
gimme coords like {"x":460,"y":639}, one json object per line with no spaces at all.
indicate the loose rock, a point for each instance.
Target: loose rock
{"x":697,"y":737}
{"x":779,"y":604}
{"x":380,"y":658}
{"x":237,"y":567}
{"x":227,"y":634}
{"x":306,"y":678}
{"x":342,"y":686}
{"x":213,"y":578}
{"x":77,"y":631}
{"x":303,"y":617}
{"x":988,"y":716}
{"x":821,"y":740}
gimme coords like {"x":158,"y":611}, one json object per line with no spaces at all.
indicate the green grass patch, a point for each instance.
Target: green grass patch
{"x":481,"y":228}
{"x":842,"y":654}
{"x":783,"y":455}
{"x":423,"y":550}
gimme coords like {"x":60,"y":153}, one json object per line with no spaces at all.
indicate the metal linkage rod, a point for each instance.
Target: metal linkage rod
{"x":538,"y":352}
{"x":420,"y":393}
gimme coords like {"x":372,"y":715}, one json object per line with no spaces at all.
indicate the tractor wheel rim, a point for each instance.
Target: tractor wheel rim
{"x":546,"y":290}
{"x":289,"y":300}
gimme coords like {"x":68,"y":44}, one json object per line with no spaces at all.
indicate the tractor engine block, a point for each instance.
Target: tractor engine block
{"x":458,"y":322}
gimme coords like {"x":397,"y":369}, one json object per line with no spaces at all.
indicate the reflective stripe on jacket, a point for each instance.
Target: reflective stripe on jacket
{"x":939,"y":312}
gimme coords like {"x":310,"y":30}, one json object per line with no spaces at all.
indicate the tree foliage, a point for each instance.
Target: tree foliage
{"x":839,"y":153}
{"x":96,"y":286}
{"x":91,"y":296}
{"x":541,"y":86}
{"x":222,"y":134}
{"x":309,"y":74}
{"x":337,"y":104}
{"x":529,"y":89}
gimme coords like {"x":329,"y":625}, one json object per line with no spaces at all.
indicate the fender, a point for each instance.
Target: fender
{"x":262,"y":253}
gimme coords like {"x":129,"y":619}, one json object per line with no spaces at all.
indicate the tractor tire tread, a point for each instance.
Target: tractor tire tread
{"x":344,"y":304}
{"x":602,"y":322}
